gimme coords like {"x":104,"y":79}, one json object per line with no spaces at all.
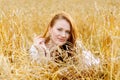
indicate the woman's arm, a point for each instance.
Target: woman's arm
{"x":38,"y":49}
{"x":34,"y":53}
{"x":87,"y":57}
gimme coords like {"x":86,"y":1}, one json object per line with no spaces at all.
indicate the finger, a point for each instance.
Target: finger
{"x":34,"y":35}
{"x":41,"y":41}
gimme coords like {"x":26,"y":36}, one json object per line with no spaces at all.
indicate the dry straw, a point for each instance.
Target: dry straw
{"x":99,"y":30}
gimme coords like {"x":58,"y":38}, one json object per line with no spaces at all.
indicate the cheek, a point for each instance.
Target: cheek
{"x":67,"y":36}
{"x":54,"y":34}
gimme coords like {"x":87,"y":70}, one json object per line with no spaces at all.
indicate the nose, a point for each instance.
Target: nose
{"x":63,"y":34}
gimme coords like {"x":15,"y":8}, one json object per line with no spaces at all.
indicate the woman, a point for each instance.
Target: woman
{"x":60,"y":31}
{"x":59,"y":41}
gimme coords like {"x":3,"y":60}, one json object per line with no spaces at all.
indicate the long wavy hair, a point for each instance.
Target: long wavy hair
{"x":67,"y":17}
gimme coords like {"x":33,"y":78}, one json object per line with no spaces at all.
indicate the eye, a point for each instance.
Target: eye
{"x":68,"y":32}
{"x":59,"y":29}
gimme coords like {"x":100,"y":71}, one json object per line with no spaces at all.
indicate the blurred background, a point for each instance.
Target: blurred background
{"x":98,"y":23}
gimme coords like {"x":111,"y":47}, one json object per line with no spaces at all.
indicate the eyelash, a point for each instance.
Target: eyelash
{"x":67,"y":32}
{"x":59,"y":29}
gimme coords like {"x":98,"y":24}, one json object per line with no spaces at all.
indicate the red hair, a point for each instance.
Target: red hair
{"x":62,"y":15}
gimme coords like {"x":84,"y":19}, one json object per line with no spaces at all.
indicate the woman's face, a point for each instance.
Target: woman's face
{"x":60,"y":32}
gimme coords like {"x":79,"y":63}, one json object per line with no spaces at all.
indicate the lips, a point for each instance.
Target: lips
{"x":61,"y":40}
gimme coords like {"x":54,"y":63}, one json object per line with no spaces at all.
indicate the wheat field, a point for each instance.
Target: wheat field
{"x":98,"y":23}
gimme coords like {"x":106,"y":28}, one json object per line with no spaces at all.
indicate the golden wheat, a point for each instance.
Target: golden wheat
{"x":98,"y":23}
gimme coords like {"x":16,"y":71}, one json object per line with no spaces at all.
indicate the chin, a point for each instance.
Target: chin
{"x":61,"y":43}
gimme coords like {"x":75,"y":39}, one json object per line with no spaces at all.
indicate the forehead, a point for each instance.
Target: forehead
{"x":62,"y":23}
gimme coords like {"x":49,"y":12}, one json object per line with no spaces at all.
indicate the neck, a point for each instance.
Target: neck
{"x":50,"y":44}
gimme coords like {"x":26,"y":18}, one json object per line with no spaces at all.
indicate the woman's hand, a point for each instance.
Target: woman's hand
{"x":39,"y":42}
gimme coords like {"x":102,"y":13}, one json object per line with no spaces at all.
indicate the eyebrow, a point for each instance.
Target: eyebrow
{"x":62,"y":28}
{"x":68,"y":30}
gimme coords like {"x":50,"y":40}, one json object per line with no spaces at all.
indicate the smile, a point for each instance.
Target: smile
{"x":61,"y":40}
